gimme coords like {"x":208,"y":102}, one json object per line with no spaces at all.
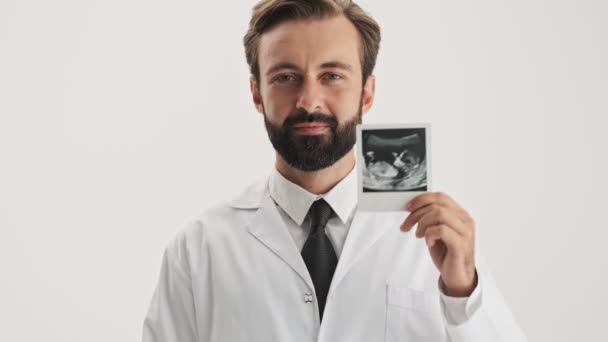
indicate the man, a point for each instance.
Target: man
{"x":291,"y":259}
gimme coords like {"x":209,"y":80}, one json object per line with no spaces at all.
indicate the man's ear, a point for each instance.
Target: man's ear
{"x":255,"y":94}
{"x":369,"y":91}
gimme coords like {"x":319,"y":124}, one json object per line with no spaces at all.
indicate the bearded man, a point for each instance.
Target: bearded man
{"x":291,"y":258}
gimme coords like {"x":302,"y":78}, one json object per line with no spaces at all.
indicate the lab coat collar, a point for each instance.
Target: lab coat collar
{"x":252,"y":196}
{"x":267,"y":226}
{"x":342,"y":198}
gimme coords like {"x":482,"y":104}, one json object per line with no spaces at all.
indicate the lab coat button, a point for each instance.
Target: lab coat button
{"x":308,"y":297}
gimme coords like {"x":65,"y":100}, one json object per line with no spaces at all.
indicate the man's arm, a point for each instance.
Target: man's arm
{"x":449,"y":232}
{"x":171,"y":315}
{"x":483,"y":316}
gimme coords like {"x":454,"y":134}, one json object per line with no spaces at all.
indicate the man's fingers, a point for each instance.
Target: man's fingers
{"x":436,"y":208}
{"x":444,"y":233}
{"x":427,"y":198}
{"x":445,"y":216}
{"x":413,"y":217}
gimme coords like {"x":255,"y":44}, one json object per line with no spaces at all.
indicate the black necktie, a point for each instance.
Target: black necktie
{"x":318,"y":252}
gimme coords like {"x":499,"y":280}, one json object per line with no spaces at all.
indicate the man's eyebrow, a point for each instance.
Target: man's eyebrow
{"x":336,"y":64}
{"x":326,"y":65}
{"x":280,"y":66}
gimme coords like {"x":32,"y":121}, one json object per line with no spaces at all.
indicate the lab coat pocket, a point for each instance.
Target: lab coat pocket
{"x":413,"y":315}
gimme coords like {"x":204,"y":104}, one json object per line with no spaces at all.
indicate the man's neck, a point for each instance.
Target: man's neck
{"x":317,"y":182}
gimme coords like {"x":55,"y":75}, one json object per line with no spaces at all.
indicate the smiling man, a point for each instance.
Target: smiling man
{"x":291,"y":258}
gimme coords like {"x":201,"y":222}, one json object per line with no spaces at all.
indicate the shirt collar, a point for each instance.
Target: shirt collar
{"x":296,"y":201}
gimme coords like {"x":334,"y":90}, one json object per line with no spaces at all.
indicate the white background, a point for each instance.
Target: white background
{"x":121,"y":119}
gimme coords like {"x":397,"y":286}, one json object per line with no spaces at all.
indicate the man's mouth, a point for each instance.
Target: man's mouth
{"x":310,"y":128}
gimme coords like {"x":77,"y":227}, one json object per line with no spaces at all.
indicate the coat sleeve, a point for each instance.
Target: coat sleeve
{"x":171,"y":314}
{"x":491,"y":319}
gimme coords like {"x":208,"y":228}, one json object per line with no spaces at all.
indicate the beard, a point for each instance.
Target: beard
{"x":313,"y":152}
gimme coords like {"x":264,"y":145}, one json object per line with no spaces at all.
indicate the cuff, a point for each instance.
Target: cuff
{"x":458,"y":310}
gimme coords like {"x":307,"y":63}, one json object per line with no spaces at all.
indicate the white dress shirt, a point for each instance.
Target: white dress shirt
{"x":293,"y":203}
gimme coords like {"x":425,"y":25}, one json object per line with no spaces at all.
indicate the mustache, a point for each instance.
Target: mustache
{"x":305,"y":117}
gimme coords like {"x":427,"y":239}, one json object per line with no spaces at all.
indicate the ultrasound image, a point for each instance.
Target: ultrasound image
{"x":395,"y":159}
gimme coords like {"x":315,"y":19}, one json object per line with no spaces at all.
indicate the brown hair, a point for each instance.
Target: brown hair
{"x":268,"y":13}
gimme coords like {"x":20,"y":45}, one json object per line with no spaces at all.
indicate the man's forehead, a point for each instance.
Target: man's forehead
{"x":311,"y":43}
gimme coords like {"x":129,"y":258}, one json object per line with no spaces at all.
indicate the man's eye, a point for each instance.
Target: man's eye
{"x":333,"y":76}
{"x":285,"y":78}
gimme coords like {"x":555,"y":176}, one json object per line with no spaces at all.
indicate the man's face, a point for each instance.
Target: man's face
{"x":310,"y":90}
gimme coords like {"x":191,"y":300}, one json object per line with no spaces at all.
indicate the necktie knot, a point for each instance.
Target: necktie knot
{"x":320,"y":212}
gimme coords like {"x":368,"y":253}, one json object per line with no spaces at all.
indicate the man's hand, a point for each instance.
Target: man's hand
{"x":450,"y":236}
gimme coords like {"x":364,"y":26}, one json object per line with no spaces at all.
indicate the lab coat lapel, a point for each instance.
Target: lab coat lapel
{"x":366,"y":228}
{"x":268,"y":227}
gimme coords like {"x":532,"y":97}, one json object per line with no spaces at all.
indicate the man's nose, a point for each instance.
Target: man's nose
{"x":311,"y":97}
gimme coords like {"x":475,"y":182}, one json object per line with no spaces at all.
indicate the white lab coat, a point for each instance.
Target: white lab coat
{"x":235,"y":274}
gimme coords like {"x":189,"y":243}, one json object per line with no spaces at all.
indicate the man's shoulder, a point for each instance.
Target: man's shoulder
{"x":252,"y":196}
{"x":219,"y":214}
{"x":222,"y":218}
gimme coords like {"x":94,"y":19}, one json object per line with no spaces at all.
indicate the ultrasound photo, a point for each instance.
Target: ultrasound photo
{"x":393,"y":163}
{"x":395,"y":159}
